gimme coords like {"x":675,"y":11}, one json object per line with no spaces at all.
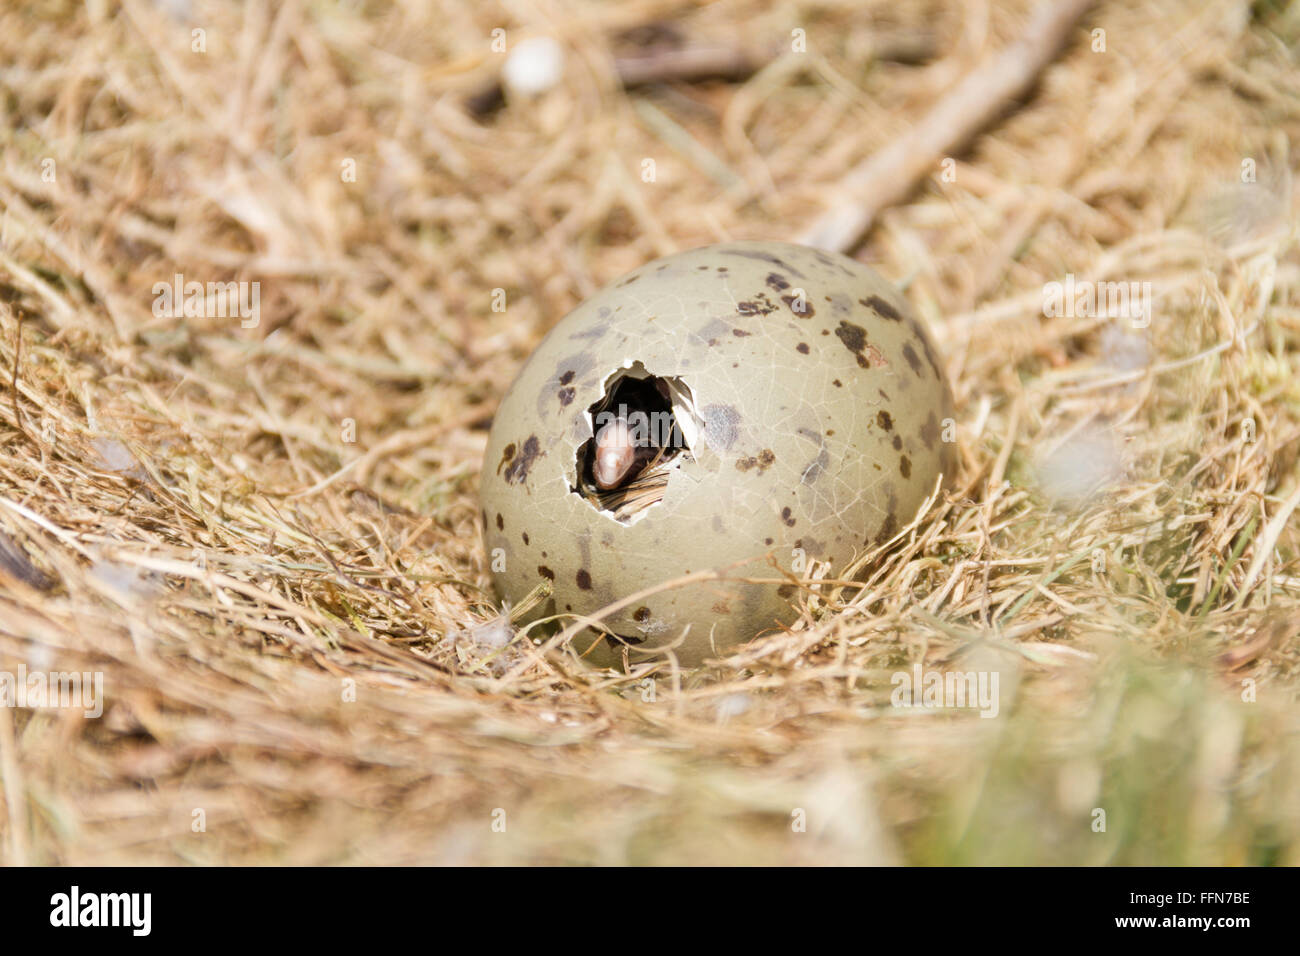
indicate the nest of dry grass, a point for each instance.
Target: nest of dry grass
{"x":265,"y":538}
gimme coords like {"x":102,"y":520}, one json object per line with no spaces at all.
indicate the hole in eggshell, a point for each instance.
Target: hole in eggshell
{"x":652,"y":423}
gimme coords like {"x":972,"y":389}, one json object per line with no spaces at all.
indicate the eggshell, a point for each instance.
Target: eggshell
{"x":813,"y":407}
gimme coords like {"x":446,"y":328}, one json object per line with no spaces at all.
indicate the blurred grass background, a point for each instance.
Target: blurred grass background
{"x":266,"y":538}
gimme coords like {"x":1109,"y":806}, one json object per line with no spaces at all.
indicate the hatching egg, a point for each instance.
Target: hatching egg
{"x":759,"y":407}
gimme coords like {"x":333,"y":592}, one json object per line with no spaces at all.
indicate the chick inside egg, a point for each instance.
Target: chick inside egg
{"x":638,"y":441}
{"x":616,"y":453}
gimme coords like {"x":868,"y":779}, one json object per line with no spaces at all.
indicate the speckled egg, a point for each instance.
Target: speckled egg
{"x":761,"y":407}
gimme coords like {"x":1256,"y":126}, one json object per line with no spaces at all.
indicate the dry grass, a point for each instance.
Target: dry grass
{"x":295,"y":629}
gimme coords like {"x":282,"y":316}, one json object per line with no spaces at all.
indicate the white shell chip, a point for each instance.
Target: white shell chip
{"x":534,"y":66}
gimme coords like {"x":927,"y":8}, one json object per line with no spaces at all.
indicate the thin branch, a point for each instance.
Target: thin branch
{"x":890,"y":174}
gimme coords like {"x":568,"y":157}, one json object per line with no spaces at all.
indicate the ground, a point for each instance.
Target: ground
{"x":262,"y":528}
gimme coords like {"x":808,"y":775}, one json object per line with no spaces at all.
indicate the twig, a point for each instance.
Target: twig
{"x":891,"y":173}
{"x":693,"y":63}
{"x":701,"y":62}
